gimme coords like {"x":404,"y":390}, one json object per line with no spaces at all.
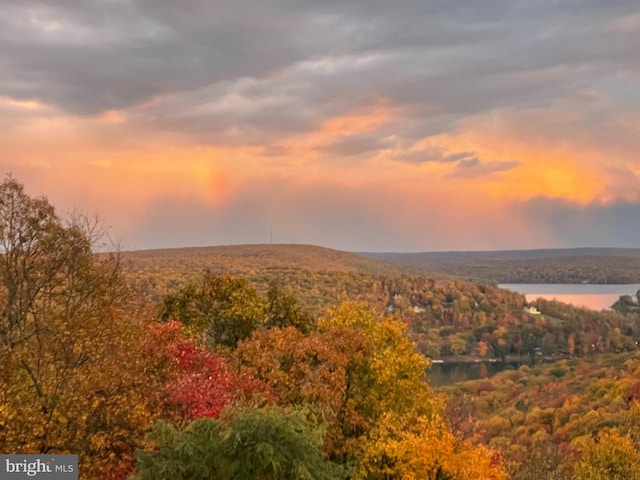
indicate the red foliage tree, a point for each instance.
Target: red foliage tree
{"x":199,"y":383}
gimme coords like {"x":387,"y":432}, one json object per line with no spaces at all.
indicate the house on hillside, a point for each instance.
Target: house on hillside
{"x":532,"y":310}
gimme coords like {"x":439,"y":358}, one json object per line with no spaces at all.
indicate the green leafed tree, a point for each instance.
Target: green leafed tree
{"x":284,"y":310}
{"x":220,"y":309}
{"x":266,"y":443}
{"x":223,"y":310}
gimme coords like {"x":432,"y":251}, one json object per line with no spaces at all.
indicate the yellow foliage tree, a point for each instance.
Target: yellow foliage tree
{"x":72,"y":376}
{"x":417,"y":449}
{"x":612,"y":456}
{"x":407,"y":437}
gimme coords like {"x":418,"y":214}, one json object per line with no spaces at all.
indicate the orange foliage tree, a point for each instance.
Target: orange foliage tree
{"x":72,"y":379}
{"x":366,"y":377}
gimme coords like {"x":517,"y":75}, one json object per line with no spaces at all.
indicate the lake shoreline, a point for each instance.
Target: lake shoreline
{"x":592,"y":296}
{"x":455,"y":370}
{"x":526,"y":359}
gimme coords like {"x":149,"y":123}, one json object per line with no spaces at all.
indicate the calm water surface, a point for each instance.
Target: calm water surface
{"x":595,"y":297}
{"x":448,"y":373}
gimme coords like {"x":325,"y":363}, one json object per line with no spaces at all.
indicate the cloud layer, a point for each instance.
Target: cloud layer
{"x":353,"y":124}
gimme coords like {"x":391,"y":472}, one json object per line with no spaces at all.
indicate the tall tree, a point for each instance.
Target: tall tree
{"x":319,"y":369}
{"x":220,"y":309}
{"x":71,"y":376}
{"x":358,"y":370}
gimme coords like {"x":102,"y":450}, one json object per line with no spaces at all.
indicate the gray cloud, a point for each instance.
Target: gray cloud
{"x":91,"y":56}
{"x":474,"y":168}
{"x":291,"y":64}
{"x":435,"y":154}
{"x":354,"y":145}
{"x":467,"y":164}
{"x":568,"y":224}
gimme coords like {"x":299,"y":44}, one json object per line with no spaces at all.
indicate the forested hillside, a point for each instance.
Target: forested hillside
{"x":446,"y":318}
{"x":157,"y":272}
{"x":573,"y":419}
{"x":571,"y":265}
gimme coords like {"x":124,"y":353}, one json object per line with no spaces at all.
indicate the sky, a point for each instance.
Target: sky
{"x":362,"y":125}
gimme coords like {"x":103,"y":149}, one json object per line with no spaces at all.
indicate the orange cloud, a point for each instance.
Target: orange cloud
{"x":360,"y":121}
{"x":307,"y":147}
{"x":11,"y":103}
{"x":100,"y":165}
{"x":106,"y":164}
{"x":549,"y":175}
{"x":113,"y":116}
{"x":545,"y":168}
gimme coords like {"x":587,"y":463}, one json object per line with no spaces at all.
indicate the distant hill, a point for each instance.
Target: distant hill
{"x":244,"y":259}
{"x":322,"y":276}
{"x":263,"y":261}
{"x":319,"y":275}
{"x":571,"y":265}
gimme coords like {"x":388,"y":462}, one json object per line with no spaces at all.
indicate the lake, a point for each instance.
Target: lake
{"x":448,"y":373}
{"x":592,"y":296}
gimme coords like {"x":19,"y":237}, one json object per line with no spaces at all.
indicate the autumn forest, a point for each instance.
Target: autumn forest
{"x":295,"y":362}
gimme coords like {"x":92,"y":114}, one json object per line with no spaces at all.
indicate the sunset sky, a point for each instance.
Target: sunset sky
{"x":362,"y":125}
